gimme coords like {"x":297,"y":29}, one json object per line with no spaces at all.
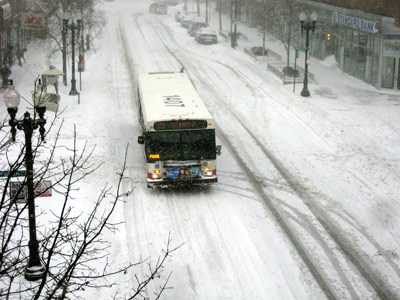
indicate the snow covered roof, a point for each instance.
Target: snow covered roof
{"x":167,"y":96}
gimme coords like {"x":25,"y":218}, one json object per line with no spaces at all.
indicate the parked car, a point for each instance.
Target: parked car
{"x":206,"y":36}
{"x":192,"y":29}
{"x":170,"y":2}
{"x":186,"y":20}
{"x":196,"y":25}
{"x":158,"y":8}
{"x":200,"y":21}
{"x":179,"y":16}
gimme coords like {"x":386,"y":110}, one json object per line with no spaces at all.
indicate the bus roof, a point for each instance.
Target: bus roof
{"x":167,"y":96}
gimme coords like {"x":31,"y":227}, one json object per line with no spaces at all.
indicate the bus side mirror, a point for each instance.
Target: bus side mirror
{"x":218,"y":150}
{"x":140,"y":139}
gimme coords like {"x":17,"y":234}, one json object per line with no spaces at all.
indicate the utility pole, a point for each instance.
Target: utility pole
{"x":207,"y":11}
{"x":220,"y":14}
{"x":234,"y":34}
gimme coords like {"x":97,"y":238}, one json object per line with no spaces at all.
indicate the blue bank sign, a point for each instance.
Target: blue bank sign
{"x":354,"y":22}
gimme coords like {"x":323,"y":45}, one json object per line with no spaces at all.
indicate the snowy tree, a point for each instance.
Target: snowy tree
{"x":284,"y":20}
{"x":264,"y":16}
{"x":93,"y":20}
{"x":73,"y":250}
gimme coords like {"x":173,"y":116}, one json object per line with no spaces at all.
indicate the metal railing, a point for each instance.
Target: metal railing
{"x":277,"y":69}
{"x":270,"y":55}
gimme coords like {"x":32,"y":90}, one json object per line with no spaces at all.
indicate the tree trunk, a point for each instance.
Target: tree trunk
{"x":220,"y":14}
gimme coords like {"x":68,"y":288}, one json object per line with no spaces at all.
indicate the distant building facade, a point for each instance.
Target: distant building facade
{"x":12,"y":38}
{"x":19,"y":22}
{"x":364,"y":37}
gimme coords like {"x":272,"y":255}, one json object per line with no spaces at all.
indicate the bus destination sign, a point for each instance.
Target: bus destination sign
{"x":180,"y":124}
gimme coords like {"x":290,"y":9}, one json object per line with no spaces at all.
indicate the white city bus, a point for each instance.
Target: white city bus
{"x":178,"y":132}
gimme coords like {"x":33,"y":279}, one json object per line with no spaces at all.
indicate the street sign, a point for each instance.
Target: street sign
{"x":43,"y":188}
{"x":14,"y":187}
{"x":18,"y":173}
{"x":301,"y":48}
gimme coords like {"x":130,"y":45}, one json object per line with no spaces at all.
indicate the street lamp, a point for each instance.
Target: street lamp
{"x":35,"y":269}
{"x":307,"y":26}
{"x":75,"y":24}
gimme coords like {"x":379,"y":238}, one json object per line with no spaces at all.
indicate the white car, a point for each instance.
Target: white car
{"x":179,"y":16}
{"x":206,"y":36}
{"x":186,"y":20}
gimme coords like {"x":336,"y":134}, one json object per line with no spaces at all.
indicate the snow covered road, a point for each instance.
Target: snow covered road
{"x":289,"y":217}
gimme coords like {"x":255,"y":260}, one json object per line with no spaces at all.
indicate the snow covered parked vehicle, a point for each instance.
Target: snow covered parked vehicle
{"x":195,"y":25}
{"x":186,"y":20}
{"x":179,"y":16}
{"x":206,"y":36}
{"x":158,"y":8}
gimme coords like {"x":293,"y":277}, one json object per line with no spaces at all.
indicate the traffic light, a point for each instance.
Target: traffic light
{"x":328,"y":36}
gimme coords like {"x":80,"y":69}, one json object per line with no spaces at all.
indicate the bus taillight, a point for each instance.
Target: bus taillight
{"x":208,"y":172}
{"x":155,"y":175}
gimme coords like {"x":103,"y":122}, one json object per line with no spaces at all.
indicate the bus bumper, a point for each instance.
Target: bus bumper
{"x":181,"y":182}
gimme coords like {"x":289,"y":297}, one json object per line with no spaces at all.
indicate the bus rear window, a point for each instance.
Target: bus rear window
{"x":181,"y":145}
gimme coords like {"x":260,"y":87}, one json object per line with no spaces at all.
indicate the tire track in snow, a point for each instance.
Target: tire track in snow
{"x":328,"y":290}
{"x":377,"y":283}
{"x":356,"y":256}
{"x":382,"y":289}
{"x":173,"y":208}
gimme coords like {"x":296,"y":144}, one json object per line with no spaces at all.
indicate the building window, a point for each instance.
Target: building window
{"x":388,"y":72}
{"x":368,"y":58}
{"x":398,"y":75}
{"x":375,"y":60}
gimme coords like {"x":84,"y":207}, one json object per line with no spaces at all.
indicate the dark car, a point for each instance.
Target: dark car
{"x":158,"y":8}
{"x":206,"y":36}
{"x":197,"y":23}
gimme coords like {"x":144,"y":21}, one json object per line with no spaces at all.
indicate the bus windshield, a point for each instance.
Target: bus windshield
{"x":181,"y":145}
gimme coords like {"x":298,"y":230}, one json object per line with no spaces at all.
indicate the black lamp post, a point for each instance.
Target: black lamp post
{"x":307,"y":26}
{"x":35,"y":269}
{"x":75,"y":24}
